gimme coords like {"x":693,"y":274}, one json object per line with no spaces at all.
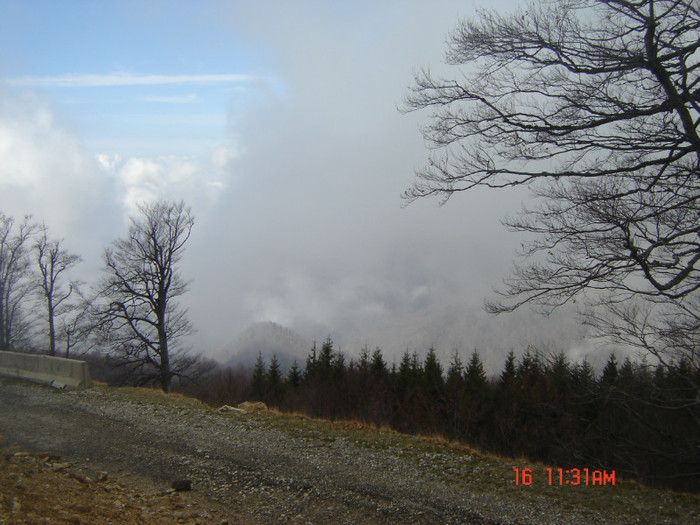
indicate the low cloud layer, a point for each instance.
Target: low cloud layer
{"x":122,"y":79}
{"x":311,"y":232}
{"x":297,"y":203}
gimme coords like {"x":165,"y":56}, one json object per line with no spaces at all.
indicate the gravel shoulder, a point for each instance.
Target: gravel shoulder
{"x":266,"y":468}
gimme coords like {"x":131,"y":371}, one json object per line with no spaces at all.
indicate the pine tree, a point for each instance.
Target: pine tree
{"x":310,"y":368}
{"x":610,"y":371}
{"x":455,"y":395}
{"x":364,"y":362}
{"x":454,"y":373}
{"x":378,"y":365}
{"x":339,"y":387}
{"x":626,"y":374}
{"x":509,"y":371}
{"x":433,"y":381}
{"x":530,"y":370}
{"x":583,"y":377}
{"x":338,"y":369}
{"x":475,"y":376}
{"x":294,"y":376}
{"x":257,"y":385}
{"x":325,"y":360}
{"x":273,"y":383}
{"x":408,"y":375}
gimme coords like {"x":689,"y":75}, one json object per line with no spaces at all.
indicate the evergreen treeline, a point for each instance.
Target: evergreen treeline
{"x":639,"y":420}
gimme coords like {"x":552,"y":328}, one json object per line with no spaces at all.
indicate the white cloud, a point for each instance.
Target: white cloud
{"x":34,"y":149}
{"x":304,"y":225}
{"x":125,"y":79}
{"x":108,"y":162}
{"x":223,"y":155}
{"x":143,"y":172}
{"x":47,"y":173}
{"x":311,"y":234}
{"x":184,"y":99}
{"x":197,"y":181}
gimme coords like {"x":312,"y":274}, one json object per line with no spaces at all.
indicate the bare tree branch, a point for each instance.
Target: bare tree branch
{"x":15,"y":281}
{"x":139,"y":315}
{"x":594,"y":105}
{"x":53,"y":261}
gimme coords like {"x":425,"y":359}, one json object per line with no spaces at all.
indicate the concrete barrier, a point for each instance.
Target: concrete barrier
{"x":58,"y":371}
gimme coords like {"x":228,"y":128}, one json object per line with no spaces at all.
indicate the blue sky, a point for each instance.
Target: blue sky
{"x":278,"y":123}
{"x":55,"y":38}
{"x":166,"y":75}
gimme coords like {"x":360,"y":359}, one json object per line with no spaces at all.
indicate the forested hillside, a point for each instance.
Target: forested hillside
{"x":637,"y":419}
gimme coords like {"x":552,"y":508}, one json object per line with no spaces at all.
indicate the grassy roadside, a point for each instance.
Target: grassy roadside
{"x":481,"y":472}
{"x":464,"y":466}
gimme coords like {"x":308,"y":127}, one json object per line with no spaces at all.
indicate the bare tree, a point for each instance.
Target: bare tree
{"x":15,"y":281}
{"x":594,"y":105}
{"x":78,"y":327}
{"x":140,"y":317}
{"x":53,"y":261}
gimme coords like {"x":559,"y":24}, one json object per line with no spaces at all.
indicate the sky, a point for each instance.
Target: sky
{"x":279,"y":124}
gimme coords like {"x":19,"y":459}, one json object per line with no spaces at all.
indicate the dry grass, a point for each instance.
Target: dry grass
{"x":154,"y":396}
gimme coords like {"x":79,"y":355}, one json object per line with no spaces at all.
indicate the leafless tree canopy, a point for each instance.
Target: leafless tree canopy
{"x":53,"y":261}
{"x":15,"y":282}
{"x":140,"y":316}
{"x":594,"y":105}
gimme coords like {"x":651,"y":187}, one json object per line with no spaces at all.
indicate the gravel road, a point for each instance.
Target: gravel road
{"x":261,"y":474}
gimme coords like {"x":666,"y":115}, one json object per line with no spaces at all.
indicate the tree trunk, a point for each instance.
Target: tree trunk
{"x":164,"y":359}
{"x":52,"y":330}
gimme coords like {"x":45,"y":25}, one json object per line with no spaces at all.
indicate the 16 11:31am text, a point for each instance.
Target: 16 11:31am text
{"x":574,"y":476}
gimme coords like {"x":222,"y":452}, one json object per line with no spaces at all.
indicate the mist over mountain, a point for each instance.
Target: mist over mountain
{"x":455,"y":326}
{"x":268,"y":339}
{"x":346,"y":260}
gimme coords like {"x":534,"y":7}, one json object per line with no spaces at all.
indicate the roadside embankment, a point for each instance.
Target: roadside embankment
{"x":261,"y":467}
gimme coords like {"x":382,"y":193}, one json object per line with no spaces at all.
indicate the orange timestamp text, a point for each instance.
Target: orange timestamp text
{"x":562,"y":477}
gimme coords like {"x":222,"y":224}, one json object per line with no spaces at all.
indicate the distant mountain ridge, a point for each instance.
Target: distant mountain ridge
{"x":446,"y":329}
{"x":268,"y":339}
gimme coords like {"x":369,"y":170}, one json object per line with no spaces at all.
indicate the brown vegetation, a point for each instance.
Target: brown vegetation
{"x":43,"y":488}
